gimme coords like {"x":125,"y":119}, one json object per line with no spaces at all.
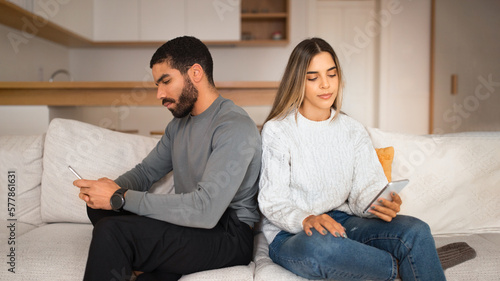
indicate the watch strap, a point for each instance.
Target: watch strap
{"x":121,"y":191}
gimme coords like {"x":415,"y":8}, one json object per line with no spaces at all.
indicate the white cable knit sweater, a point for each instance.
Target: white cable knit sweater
{"x":310,"y":168}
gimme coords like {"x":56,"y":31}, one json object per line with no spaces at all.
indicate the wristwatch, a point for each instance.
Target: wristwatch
{"x":117,"y":200}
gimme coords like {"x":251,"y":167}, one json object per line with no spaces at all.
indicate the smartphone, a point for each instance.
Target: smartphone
{"x":74,"y":172}
{"x":393,"y":186}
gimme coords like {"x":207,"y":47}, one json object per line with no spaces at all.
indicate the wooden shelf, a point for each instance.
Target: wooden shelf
{"x":261,"y":20}
{"x":121,"y":93}
{"x":264,"y":16}
{"x":263,"y":42}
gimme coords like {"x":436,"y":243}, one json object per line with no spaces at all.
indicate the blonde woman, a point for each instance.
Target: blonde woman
{"x":319,"y":171}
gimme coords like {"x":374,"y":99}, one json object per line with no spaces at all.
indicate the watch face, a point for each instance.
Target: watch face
{"x":116,"y":202}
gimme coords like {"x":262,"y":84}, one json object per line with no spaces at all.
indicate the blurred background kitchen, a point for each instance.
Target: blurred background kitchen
{"x":421,"y":66}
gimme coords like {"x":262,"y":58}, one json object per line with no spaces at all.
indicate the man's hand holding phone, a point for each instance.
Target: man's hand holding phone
{"x":96,"y":193}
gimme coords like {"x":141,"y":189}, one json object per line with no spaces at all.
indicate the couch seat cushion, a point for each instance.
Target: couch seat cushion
{"x":51,"y":252}
{"x":59,"y":252}
{"x":234,"y":273}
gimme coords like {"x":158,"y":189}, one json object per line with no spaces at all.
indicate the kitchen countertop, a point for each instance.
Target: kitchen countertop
{"x":248,"y":93}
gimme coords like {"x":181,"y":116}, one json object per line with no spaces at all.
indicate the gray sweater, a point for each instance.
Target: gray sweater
{"x":215,"y":157}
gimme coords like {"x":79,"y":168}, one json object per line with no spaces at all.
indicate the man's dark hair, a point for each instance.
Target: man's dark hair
{"x":182,"y":52}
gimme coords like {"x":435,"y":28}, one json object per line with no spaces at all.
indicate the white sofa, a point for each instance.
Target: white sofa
{"x":454,"y":186}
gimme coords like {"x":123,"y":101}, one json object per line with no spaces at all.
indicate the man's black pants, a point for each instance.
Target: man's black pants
{"x":123,"y":242}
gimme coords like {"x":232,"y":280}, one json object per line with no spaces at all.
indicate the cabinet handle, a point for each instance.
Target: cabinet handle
{"x":454,"y":84}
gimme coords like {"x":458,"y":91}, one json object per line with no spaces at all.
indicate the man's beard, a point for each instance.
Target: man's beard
{"x":187,"y":99}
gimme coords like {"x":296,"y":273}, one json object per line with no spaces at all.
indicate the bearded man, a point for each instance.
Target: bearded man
{"x":214,"y":150}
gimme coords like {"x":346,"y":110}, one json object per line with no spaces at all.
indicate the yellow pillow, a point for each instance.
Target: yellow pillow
{"x":385,"y":156}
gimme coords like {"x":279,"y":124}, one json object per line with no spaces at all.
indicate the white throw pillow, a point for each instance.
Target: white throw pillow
{"x":94,"y":153}
{"x":454,"y":178}
{"x":21,"y":157}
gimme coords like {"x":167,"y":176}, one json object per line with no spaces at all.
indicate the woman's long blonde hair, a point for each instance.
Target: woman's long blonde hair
{"x":291,"y":90}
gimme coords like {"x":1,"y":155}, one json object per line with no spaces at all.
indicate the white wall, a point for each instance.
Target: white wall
{"x":23,"y":120}
{"x":24,"y":57}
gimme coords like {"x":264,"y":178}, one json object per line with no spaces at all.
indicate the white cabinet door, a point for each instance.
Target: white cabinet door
{"x":116,"y":20}
{"x":470,"y":50}
{"x":75,"y":16}
{"x":213,"y":20}
{"x":161,"y":20}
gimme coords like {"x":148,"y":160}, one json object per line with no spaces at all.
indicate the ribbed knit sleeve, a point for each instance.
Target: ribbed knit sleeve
{"x":368,"y":178}
{"x":275,"y":199}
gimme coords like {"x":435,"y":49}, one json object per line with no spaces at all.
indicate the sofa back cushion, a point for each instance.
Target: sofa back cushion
{"x":21,"y":158}
{"x":94,"y":153}
{"x":454,"y":178}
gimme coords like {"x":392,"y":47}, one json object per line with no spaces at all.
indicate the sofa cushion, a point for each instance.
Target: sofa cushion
{"x":51,"y":252}
{"x":453,"y":178}
{"x":93,"y":152}
{"x":59,"y":252}
{"x":233,"y":273}
{"x":385,"y":156}
{"x":22,"y":154}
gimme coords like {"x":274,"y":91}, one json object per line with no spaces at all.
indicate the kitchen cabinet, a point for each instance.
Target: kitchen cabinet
{"x":465,"y":67}
{"x":73,"y":15}
{"x":115,"y":23}
{"x":138,"y":20}
{"x":116,"y":20}
{"x":213,"y":20}
{"x":161,"y":20}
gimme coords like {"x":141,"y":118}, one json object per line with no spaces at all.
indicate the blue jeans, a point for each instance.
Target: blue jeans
{"x":373,"y":251}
